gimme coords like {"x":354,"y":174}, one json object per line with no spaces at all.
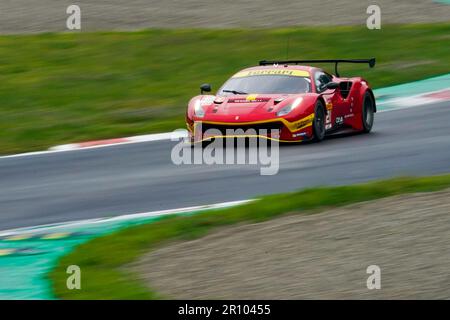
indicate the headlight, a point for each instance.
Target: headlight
{"x":198,"y":109}
{"x":284,"y":111}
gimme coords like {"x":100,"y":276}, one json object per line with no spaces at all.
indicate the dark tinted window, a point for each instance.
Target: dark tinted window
{"x":321,"y":79}
{"x":267,"y":84}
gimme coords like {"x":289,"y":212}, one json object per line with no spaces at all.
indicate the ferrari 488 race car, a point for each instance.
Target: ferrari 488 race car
{"x":283,"y":100}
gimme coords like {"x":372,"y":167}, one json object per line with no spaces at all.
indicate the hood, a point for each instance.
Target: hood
{"x":248,"y":105}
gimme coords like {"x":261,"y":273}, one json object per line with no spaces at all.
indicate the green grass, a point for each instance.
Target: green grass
{"x":62,"y":88}
{"x":102,"y":260}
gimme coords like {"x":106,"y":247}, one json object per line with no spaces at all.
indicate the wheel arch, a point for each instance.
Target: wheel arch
{"x":321,"y":99}
{"x":373,"y":98}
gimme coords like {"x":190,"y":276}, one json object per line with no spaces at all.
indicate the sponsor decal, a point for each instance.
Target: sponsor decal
{"x":303,"y":123}
{"x":274,"y":72}
{"x":251,"y":99}
{"x":328,"y":124}
{"x":301,"y":134}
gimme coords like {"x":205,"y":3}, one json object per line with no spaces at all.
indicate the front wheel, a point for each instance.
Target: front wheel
{"x":368,"y":112}
{"x":319,"y":122}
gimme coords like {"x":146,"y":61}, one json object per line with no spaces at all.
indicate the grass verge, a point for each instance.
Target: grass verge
{"x":102,"y":260}
{"x":71,"y":87}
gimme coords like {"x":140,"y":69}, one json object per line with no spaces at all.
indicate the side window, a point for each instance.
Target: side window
{"x":321,"y":79}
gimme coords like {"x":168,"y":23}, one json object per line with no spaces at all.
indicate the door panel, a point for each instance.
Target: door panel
{"x":342,"y":102}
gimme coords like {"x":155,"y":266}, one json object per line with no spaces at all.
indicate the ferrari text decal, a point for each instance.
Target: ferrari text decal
{"x":272,"y":72}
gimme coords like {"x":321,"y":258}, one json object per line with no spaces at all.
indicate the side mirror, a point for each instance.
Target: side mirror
{"x":206,"y":87}
{"x":332,"y":85}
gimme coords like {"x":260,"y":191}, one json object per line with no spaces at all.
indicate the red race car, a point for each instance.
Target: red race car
{"x":283,"y":100}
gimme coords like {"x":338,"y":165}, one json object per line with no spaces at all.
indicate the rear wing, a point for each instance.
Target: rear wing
{"x":370,"y":61}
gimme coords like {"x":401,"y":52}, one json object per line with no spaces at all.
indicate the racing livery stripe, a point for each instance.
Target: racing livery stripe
{"x":292,"y":126}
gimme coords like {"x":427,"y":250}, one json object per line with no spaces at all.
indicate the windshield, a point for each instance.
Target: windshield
{"x":266,"y":84}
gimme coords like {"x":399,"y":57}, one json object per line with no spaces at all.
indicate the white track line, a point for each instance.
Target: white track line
{"x":177,"y":134}
{"x":133,"y":216}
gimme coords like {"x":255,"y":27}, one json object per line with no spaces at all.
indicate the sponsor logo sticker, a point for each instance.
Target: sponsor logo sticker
{"x":274,"y":72}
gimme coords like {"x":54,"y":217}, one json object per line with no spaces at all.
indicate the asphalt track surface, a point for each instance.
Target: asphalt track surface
{"x":122,"y":179}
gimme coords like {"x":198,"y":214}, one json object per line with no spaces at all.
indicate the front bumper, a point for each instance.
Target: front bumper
{"x":275,"y":129}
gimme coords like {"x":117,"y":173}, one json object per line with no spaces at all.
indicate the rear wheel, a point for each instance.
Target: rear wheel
{"x":368,"y":112}
{"x":319,"y":122}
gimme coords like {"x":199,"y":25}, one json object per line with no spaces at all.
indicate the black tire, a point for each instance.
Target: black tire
{"x":368,"y":111}
{"x":319,"y":122}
